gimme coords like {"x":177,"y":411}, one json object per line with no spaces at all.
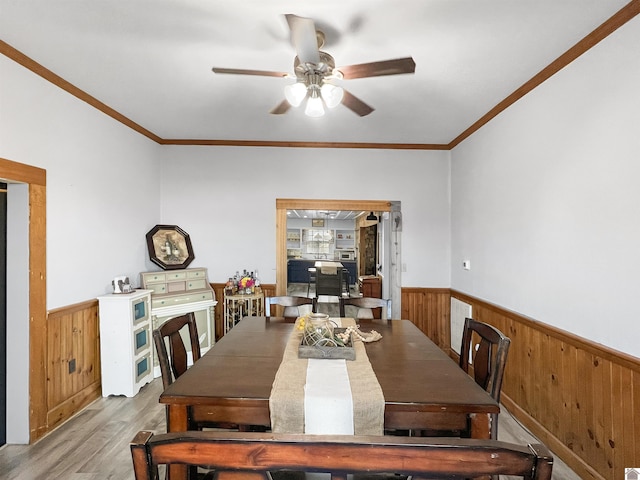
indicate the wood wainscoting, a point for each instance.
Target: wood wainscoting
{"x":428,"y":309}
{"x":73,"y":361}
{"x":580,"y":398}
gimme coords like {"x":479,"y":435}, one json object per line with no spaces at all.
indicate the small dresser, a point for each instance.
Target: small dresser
{"x":126,"y":350}
{"x":176,"y":292}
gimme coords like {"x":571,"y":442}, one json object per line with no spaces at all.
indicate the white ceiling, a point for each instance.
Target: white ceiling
{"x":151,"y":60}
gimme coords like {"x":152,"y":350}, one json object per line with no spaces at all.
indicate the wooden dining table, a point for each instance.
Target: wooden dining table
{"x":424,"y":389}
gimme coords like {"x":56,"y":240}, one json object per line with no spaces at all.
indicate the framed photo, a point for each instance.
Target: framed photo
{"x":169,"y":247}
{"x":317,"y":222}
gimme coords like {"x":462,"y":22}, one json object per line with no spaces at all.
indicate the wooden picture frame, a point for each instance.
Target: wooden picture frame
{"x":169,"y":247}
{"x":317,"y":222}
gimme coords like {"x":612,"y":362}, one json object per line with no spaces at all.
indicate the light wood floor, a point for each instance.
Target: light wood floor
{"x":94,"y":444}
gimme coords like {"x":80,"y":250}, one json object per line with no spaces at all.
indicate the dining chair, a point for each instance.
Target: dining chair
{"x":175,"y":362}
{"x":485,"y":348}
{"x":365,"y":306}
{"x":291,"y":305}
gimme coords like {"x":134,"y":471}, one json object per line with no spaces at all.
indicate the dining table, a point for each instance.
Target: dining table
{"x":423,"y":388}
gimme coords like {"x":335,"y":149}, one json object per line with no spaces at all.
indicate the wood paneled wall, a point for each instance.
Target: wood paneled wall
{"x":429,"y":309}
{"x":580,"y":398}
{"x":73,"y":334}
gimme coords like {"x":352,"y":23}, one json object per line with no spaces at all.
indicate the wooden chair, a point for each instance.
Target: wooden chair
{"x":235,"y":455}
{"x":365,"y":306}
{"x":174,"y":363}
{"x":488,"y":348}
{"x":291,"y":304}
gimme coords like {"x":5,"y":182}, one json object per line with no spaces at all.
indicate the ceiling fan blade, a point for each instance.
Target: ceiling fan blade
{"x":282,"y":107}
{"x":377,"y":69}
{"x":240,"y":71}
{"x":303,"y":35}
{"x":356,"y":105}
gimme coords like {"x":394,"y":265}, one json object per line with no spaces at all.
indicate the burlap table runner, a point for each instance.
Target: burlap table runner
{"x":286,"y":402}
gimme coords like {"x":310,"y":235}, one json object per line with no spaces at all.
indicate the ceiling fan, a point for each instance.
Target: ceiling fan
{"x":314,"y":70}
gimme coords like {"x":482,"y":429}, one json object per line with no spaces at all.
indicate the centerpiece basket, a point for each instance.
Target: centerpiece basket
{"x":321,"y":338}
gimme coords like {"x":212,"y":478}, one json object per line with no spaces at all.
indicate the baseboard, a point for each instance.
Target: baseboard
{"x":555,"y":445}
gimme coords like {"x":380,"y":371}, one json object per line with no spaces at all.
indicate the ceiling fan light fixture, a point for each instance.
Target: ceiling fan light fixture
{"x":295,"y":93}
{"x":331,"y":94}
{"x":314,"y":106}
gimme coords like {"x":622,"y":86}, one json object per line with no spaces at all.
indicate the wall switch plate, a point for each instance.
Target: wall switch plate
{"x":466,"y":264}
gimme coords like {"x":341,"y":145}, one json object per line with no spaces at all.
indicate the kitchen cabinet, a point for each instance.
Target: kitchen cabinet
{"x":351,"y":266}
{"x":126,"y":350}
{"x":370,"y":286}
{"x":298,"y":270}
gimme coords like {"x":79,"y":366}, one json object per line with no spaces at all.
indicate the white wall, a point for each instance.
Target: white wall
{"x":546,"y":203}
{"x":225,"y":198}
{"x":102,"y":184}
{"x":102,"y":197}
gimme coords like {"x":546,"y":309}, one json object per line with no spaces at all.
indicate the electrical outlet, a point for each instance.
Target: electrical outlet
{"x":466,"y":264}
{"x":72,"y":365}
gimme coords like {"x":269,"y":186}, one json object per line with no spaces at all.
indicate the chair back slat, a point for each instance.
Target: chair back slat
{"x":290,"y":303}
{"x":174,"y":363}
{"x":365,"y":307}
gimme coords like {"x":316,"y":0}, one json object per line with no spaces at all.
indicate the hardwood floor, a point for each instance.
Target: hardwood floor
{"x":95,"y":443}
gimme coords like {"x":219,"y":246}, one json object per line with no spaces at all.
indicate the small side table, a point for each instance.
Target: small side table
{"x":241,"y":305}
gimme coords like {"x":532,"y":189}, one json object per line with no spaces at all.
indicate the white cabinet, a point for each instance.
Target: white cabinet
{"x":176,"y":292}
{"x":126,"y":347}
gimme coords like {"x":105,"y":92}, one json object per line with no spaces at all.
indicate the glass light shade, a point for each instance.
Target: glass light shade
{"x":295,"y":93}
{"x":314,"y":107}
{"x":331,"y":95}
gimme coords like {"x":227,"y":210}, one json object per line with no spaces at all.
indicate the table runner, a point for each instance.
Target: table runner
{"x":287,"y":399}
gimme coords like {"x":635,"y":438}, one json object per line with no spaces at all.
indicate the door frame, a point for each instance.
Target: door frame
{"x":284,"y":204}
{"x":36,"y":178}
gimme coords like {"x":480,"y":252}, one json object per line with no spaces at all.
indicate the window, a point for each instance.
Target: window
{"x":317,"y":241}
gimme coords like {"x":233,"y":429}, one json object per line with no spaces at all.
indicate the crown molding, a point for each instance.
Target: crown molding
{"x":618,"y":19}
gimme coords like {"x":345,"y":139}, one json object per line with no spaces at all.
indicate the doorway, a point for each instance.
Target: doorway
{"x":387,"y":268}
{"x":26,"y":297}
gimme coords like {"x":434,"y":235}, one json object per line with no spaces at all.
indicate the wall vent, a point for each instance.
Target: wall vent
{"x":459,"y":311}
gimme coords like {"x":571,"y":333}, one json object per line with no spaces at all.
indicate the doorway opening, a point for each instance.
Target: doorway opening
{"x":387,"y":256}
